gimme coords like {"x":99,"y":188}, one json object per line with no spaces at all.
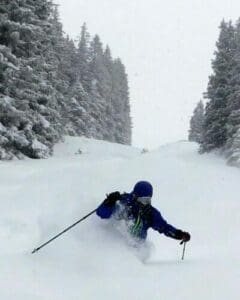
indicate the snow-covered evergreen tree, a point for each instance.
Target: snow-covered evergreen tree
{"x":122,"y":119}
{"x":83,"y":58}
{"x":49,"y":88}
{"x":233,"y":123}
{"x":26,"y":33}
{"x":196,"y":123}
{"x":217,"y":110}
{"x":97,"y":92}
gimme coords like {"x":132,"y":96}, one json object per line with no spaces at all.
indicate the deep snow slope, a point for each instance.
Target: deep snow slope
{"x":39,"y":198}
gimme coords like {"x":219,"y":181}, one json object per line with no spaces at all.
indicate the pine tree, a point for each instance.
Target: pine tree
{"x":122,"y":119}
{"x":83,"y":58}
{"x":217,"y":111}
{"x":108,"y":93}
{"x":25,"y":31}
{"x":233,"y":123}
{"x":97,"y":71}
{"x":196,"y":123}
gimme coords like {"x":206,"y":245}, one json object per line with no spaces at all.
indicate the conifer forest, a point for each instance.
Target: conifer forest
{"x":217,"y":127}
{"x":51,"y":86}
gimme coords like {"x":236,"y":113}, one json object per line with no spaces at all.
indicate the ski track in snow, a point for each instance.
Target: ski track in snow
{"x":39,"y":198}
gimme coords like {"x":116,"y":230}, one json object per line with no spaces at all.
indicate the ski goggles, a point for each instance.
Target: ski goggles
{"x":144,"y":200}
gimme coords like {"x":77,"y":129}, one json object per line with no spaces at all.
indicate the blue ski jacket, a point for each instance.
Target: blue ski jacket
{"x":142,"y":218}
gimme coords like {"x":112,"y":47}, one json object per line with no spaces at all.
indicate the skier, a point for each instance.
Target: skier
{"x":136,"y":208}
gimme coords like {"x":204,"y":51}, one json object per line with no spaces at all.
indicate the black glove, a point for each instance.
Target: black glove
{"x":183,"y":236}
{"x":112,"y":199}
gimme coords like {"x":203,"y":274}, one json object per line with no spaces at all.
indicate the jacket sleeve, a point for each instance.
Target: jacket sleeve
{"x":105,"y":211}
{"x":159,"y":224}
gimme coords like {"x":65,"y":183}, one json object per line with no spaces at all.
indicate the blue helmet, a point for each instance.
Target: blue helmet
{"x":143,"y":189}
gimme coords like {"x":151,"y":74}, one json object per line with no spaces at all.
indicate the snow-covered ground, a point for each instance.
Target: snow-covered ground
{"x":39,"y":198}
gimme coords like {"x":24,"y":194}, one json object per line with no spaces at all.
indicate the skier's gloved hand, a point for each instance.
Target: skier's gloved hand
{"x":183,"y":236}
{"x":112,"y":198}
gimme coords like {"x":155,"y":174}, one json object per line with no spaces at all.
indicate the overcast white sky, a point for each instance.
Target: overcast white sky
{"x":166,"y":46}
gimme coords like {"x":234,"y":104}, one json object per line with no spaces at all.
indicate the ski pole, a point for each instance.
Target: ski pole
{"x":184,"y":246}
{"x":65,"y":230}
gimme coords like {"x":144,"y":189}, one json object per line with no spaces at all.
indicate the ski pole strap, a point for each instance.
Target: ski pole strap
{"x":65,"y":230}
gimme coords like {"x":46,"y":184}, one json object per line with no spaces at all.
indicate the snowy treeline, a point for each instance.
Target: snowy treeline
{"x":221,"y":120}
{"x":50,"y":87}
{"x":196,"y":123}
